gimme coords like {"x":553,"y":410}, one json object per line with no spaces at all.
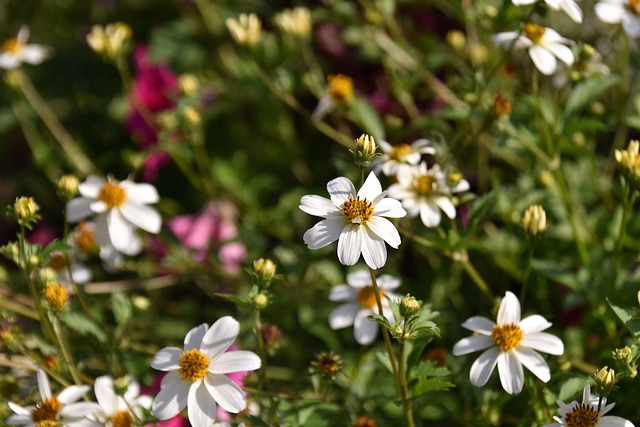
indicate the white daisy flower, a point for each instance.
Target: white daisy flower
{"x":16,"y":51}
{"x":394,"y":156}
{"x":586,"y":414}
{"x":360,"y":301}
{"x":55,"y":411}
{"x":509,"y":343}
{"x":120,"y":208}
{"x":354,"y":220}
{"x":544,"y":45}
{"x":626,"y":12}
{"x":426,"y":192}
{"x":569,"y":7}
{"x":120,"y":409}
{"x":195,"y":377}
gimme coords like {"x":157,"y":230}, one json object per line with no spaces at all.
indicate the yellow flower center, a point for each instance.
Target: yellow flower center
{"x":634,"y":5}
{"x":535,"y":32}
{"x":193,"y":365}
{"x":47,"y":423}
{"x":12,"y":46}
{"x":582,"y":416}
{"x":85,"y":238}
{"x":357,"y":211}
{"x":426,"y":184}
{"x":507,"y":336}
{"x":340,"y":87}
{"x":112,"y":194}
{"x":46,"y":411}
{"x":56,"y":295}
{"x":367,"y":297}
{"x":122,"y":419}
{"x":57,"y":261}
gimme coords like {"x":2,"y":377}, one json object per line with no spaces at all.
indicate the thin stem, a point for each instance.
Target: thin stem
{"x":527,"y":271}
{"x":475,"y":276}
{"x":66,"y":352}
{"x":262,"y":372}
{"x":406,"y":402}
{"x":627,"y":204}
{"x":566,"y":198}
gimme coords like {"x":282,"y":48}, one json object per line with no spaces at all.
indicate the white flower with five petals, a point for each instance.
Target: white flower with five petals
{"x":356,"y":221}
{"x":359,"y":301}
{"x":16,"y":51}
{"x":570,"y":7}
{"x":196,"y":374}
{"x":591,"y":412}
{"x":626,"y":12}
{"x":394,"y":156}
{"x":544,"y":46}
{"x":120,"y":208}
{"x":63,"y":409}
{"x":509,"y":343}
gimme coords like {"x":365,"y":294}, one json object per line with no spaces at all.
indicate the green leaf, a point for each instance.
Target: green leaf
{"x":55,"y":246}
{"x":365,"y":116}
{"x":380,"y":320}
{"x":427,"y":368}
{"x":384,"y":359}
{"x":425,"y":385}
{"x":480,"y":209}
{"x":585,"y":92}
{"x":121,"y":307}
{"x":84,"y":326}
{"x":629,"y":317}
{"x":232,"y":298}
{"x":572,"y":389}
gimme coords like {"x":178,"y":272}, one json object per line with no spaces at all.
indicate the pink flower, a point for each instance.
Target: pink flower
{"x":212,"y":227}
{"x":155,"y":88}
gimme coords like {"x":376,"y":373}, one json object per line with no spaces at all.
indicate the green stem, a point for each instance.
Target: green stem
{"x":262,"y":372}
{"x":66,"y":352}
{"x":475,"y":276}
{"x":627,"y":204}
{"x":566,"y":198}
{"x":527,"y":272}
{"x":407,"y":403}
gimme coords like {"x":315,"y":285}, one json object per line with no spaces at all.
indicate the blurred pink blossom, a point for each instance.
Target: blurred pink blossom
{"x":213,"y":227}
{"x":154,"y":89}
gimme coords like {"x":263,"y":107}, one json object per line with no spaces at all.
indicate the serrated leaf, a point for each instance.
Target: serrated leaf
{"x":425,"y":385}
{"x":121,"y":307}
{"x":585,"y":92}
{"x":380,"y":320}
{"x":629,"y":317}
{"x":84,"y":326}
{"x":427,"y":368}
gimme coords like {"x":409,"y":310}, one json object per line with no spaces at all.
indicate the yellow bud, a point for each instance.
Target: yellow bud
{"x":140,"y":302}
{"x":409,"y":306}
{"x":456,"y":39}
{"x":47,"y":274}
{"x":535,"y":220}
{"x":605,"y":380}
{"x":340,"y":87}
{"x":265,"y":268}
{"x":108,"y":41}
{"x":189,"y":84}
{"x":192,"y":116}
{"x":260,"y":301}
{"x":68,"y":186}
{"x":25,"y":207}
{"x":365,"y":150}
{"x":56,"y":295}
{"x":295,"y":22}
{"x":246,"y":30}
{"x":478,"y":53}
{"x":546,"y":178}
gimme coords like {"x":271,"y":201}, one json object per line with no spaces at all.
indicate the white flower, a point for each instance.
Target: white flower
{"x":570,"y":7}
{"x":625,"y":11}
{"x":62,"y":409}
{"x":404,"y":154}
{"x":359,"y":302}
{"x":120,"y":208}
{"x":195,"y":377}
{"x":544,"y":45}
{"x":509,"y":343}
{"x":16,"y":51}
{"x":354,"y":220}
{"x":116,"y":409}
{"x":426,"y":192}
{"x":586,"y":413}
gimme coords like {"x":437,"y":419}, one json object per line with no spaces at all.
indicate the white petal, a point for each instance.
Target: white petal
{"x":470,"y":344}
{"x":543,"y":59}
{"x":324,"y":233}
{"x":371,"y":188}
{"x":343,"y":293}
{"x":534,"y":323}
{"x":98,"y":206}
{"x":166,"y":359}
{"x":374,"y":250}
{"x":172,"y":397}
{"x":506,"y":38}
{"x":543,"y":342}
{"x":613,"y":421}
{"x":483,"y":367}
{"x":91,"y":187}
{"x":390,"y":207}
{"x":23,"y":34}
{"x":511,"y":374}
{"x":193,"y":339}
{"x":9,"y":61}
{"x":522,"y":2}
{"x":610,"y":13}
{"x":78,"y":209}
{"x":142,"y":193}
{"x":572,"y":9}
{"x":105,"y":394}
{"x":81,"y":422}
{"x":220,"y":336}
{"x":387,"y":282}
{"x":101,"y":231}
{"x":235,"y":361}
{"x":201,"y":407}
{"x":533,"y":362}
{"x":350,"y":245}
{"x":72,"y":393}
{"x":34,"y":54}
{"x":509,"y":311}
{"x":341,"y":189}
{"x":19,"y":410}
{"x":226,"y":393}
{"x":429,"y":213}
{"x":43,"y":385}
{"x":79,"y":409}
{"x":384,"y":229}
{"x":142,"y":216}
{"x":364,"y":330}
{"x":120,"y":232}
{"x":317,"y":205}
{"x":20,"y":420}
{"x":631,"y":25}
{"x":359,"y":279}
{"x":562,"y":52}
{"x":446,"y":205}
{"x":479,"y":324}
{"x":344,"y":315}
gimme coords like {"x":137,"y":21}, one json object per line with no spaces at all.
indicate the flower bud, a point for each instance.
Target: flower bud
{"x":246,"y":30}
{"x":141,"y":303}
{"x":260,"y":301}
{"x":605,"y":380}
{"x":56,"y":295}
{"x":501,"y":105}
{"x":340,"y":88}
{"x":189,"y":84}
{"x":409,"y":306}
{"x":265,"y":269}
{"x":365,"y":150}
{"x":47,"y":274}
{"x":25,"y":208}
{"x":535,"y":220}
{"x":192,"y":116}
{"x":295,"y":22}
{"x":327,"y":365}
{"x":109,"y":41}
{"x":68,"y":186}
{"x":456,"y":39}
{"x":121,"y":385}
